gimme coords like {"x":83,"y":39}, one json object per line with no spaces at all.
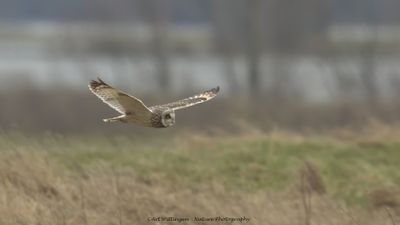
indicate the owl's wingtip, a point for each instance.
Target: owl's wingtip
{"x":215,"y":90}
{"x":96,"y":83}
{"x":93,"y":84}
{"x":100,"y":80}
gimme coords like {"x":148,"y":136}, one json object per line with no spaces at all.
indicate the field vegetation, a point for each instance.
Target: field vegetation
{"x":271,"y":178}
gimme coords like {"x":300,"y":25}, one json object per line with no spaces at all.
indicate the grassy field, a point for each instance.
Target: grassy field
{"x":271,"y":178}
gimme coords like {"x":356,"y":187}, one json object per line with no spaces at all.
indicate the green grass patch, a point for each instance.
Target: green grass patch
{"x":349,"y":170}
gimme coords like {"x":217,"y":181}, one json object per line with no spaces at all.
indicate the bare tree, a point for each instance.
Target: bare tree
{"x":253,"y":24}
{"x":293,"y":27}
{"x":226,"y":17}
{"x":156,"y":14}
{"x":368,"y":74}
{"x":368,"y":59}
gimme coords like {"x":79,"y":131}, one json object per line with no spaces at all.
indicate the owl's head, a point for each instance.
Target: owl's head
{"x":168,"y":118}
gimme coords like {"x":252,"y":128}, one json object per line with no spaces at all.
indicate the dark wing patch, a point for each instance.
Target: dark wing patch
{"x":96,"y":84}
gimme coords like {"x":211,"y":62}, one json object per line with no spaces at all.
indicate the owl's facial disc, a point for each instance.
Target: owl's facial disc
{"x":168,"y":118}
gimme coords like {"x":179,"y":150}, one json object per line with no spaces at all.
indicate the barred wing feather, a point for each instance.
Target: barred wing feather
{"x":118,"y":100}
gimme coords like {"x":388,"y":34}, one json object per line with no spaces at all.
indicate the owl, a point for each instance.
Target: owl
{"x":133,"y":110}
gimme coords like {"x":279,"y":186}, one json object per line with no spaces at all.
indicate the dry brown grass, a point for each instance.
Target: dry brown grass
{"x":33,"y":190}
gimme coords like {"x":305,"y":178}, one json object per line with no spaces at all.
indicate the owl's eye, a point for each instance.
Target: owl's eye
{"x":168,"y":116}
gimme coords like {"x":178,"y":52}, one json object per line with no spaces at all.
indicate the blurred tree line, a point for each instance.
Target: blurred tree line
{"x":251,"y":28}
{"x":280,"y":29}
{"x":257,"y":31}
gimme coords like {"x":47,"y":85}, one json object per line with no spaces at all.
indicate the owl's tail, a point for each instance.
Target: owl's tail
{"x":115,"y":119}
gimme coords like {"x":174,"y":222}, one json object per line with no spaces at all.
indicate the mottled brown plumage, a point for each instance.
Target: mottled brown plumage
{"x":133,"y":110}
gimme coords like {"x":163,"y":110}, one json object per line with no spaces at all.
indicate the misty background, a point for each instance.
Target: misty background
{"x":301,"y":65}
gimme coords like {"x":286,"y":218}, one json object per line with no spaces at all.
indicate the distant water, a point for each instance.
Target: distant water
{"x":315,"y":77}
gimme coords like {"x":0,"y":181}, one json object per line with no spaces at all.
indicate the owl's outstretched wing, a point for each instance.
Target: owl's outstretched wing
{"x":118,"y":100}
{"x":194,"y":100}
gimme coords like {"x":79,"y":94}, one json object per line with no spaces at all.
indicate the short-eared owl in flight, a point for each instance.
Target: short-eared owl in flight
{"x":134,"y":111}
